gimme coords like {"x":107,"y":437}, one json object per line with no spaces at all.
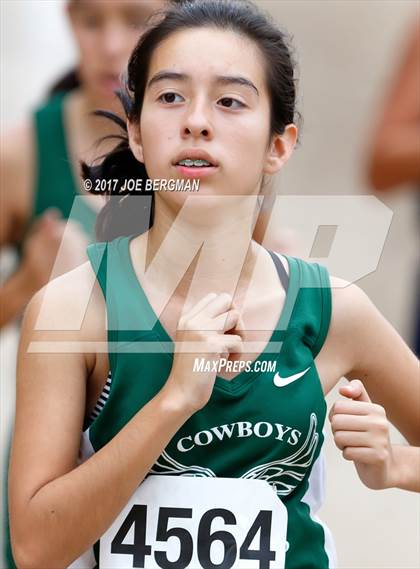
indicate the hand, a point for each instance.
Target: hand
{"x":211,"y":324}
{"x":49,"y":235}
{"x":361,"y":431}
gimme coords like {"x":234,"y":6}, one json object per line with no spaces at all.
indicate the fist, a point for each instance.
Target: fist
{"x":361,"y":432}
{"x":53,"y":247}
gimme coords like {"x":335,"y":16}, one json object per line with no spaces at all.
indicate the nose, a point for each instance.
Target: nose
{"x":197,"y":122}
{"x":113,"y":42}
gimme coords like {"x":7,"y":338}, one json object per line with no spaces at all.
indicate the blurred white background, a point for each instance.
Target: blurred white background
{"x":347,"y":50}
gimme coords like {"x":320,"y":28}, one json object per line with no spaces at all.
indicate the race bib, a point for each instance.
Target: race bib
{"x":180,"y":522}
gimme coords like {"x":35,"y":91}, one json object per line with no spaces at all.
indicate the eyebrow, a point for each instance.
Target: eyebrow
{"x":220,"y":79}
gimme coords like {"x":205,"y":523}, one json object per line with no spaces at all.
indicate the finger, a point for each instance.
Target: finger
{"x":50,"y":216}
{"x":51,"y":227}
{"x":351,"y":439}
{"x":341,"y":422}
{"x":361,"y":454}
{"x":36,"y":224}
{"x":218,"y":305}
{"x":52,"y":212}
{"x":219,"y":345}
{"x":240,"y":326}
{"x":232,"y":343}
{"x":355,"y":390}
{"x":349,"y":407}
{"x":200,"y":305}
{"x":226,"y":321}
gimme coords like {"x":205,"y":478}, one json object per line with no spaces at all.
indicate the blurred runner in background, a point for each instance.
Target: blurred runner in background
{"x":394,"y":161}
{"x":40,"y":158}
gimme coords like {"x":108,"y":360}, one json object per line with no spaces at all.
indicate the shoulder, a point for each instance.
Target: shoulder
{"x":16,"y":140}
{"x":70,"y":306}
{"x":350,"y":305}
{"x":352,"y":316}
{"x":51,"y":105}
{"x":351,"y":308}
{"x":350,"y":302}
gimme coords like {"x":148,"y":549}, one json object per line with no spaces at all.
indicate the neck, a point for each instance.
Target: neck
{"x":86,"y":132}
{"x":85,"y":103}
{"x":205,"y":246}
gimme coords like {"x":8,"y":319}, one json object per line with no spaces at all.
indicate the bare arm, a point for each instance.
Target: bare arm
{"x":407,"y":459}
{"x":382,"y":360}
{"x":372,"y":351}
{"x":395,"y":155}
{"x":45,"y":237}
{"x":59,"y":509}
{"x":16,"y":167}
{"x":15,"y":293}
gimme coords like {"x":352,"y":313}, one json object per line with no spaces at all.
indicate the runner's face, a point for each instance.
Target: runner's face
{"x":106,"y":32}
{"x":229,"y":120}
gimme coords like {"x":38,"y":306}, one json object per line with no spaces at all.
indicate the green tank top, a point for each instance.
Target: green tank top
{"x":55,"y":183}
{"x":264,"y":424}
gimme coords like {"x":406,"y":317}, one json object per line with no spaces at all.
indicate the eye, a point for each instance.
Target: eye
{"x":169,"y":95}
{"x":135,"y":23}
{"x":231,"y":100}
{"x":90,"y":21}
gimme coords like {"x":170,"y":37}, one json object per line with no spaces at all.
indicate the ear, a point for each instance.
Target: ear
{"x":281,"y":148}
{"x":134,"y":140}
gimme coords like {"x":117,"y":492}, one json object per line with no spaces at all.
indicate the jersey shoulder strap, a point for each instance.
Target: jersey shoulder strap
{"x":284,"y":277}
{"x":98,"y":257}
{"x":314,"y":304}
{"x":54,"y":185}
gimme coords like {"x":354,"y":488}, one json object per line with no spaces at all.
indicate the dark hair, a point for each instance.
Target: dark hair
{"x":118,"y":216}
{"x":66,"y":83}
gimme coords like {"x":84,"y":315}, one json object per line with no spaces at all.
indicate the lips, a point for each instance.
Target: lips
{"x":195,"y":154}
{"x":196,"y":171}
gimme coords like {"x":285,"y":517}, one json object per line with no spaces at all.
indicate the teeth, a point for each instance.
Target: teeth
{"x":188,"y":162}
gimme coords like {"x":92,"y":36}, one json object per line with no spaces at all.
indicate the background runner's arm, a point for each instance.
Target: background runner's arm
{"x":42,"y":240}
{"x":16,"y":171}
{"x":395,"y":152}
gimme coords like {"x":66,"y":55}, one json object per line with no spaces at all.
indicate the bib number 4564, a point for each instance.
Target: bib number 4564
{"x":182,"y":522}
{"x":137,"y":517}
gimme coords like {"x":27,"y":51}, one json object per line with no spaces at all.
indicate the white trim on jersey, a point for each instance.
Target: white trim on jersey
{"x":314,"y":498}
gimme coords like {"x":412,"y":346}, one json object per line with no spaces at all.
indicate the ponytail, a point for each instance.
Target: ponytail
{"x":126,"y":214}
{"x":67,"y":83}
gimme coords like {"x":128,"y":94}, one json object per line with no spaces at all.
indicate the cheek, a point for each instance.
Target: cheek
{"x":248,"y":135}
{"x":157,"y":138}
{"x":87,"y":51}
{"x":246,"y":152}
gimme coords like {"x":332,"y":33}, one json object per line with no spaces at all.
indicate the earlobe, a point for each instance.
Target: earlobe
{"x":134,"y":140}
{"x":281,"y":149}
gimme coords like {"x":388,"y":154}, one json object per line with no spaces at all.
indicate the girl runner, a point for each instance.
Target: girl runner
{"x":40,"y":158}
{"x":191,"y":460}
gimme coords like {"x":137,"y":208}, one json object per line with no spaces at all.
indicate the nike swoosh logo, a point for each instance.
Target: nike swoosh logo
{"x":283,"y":381}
